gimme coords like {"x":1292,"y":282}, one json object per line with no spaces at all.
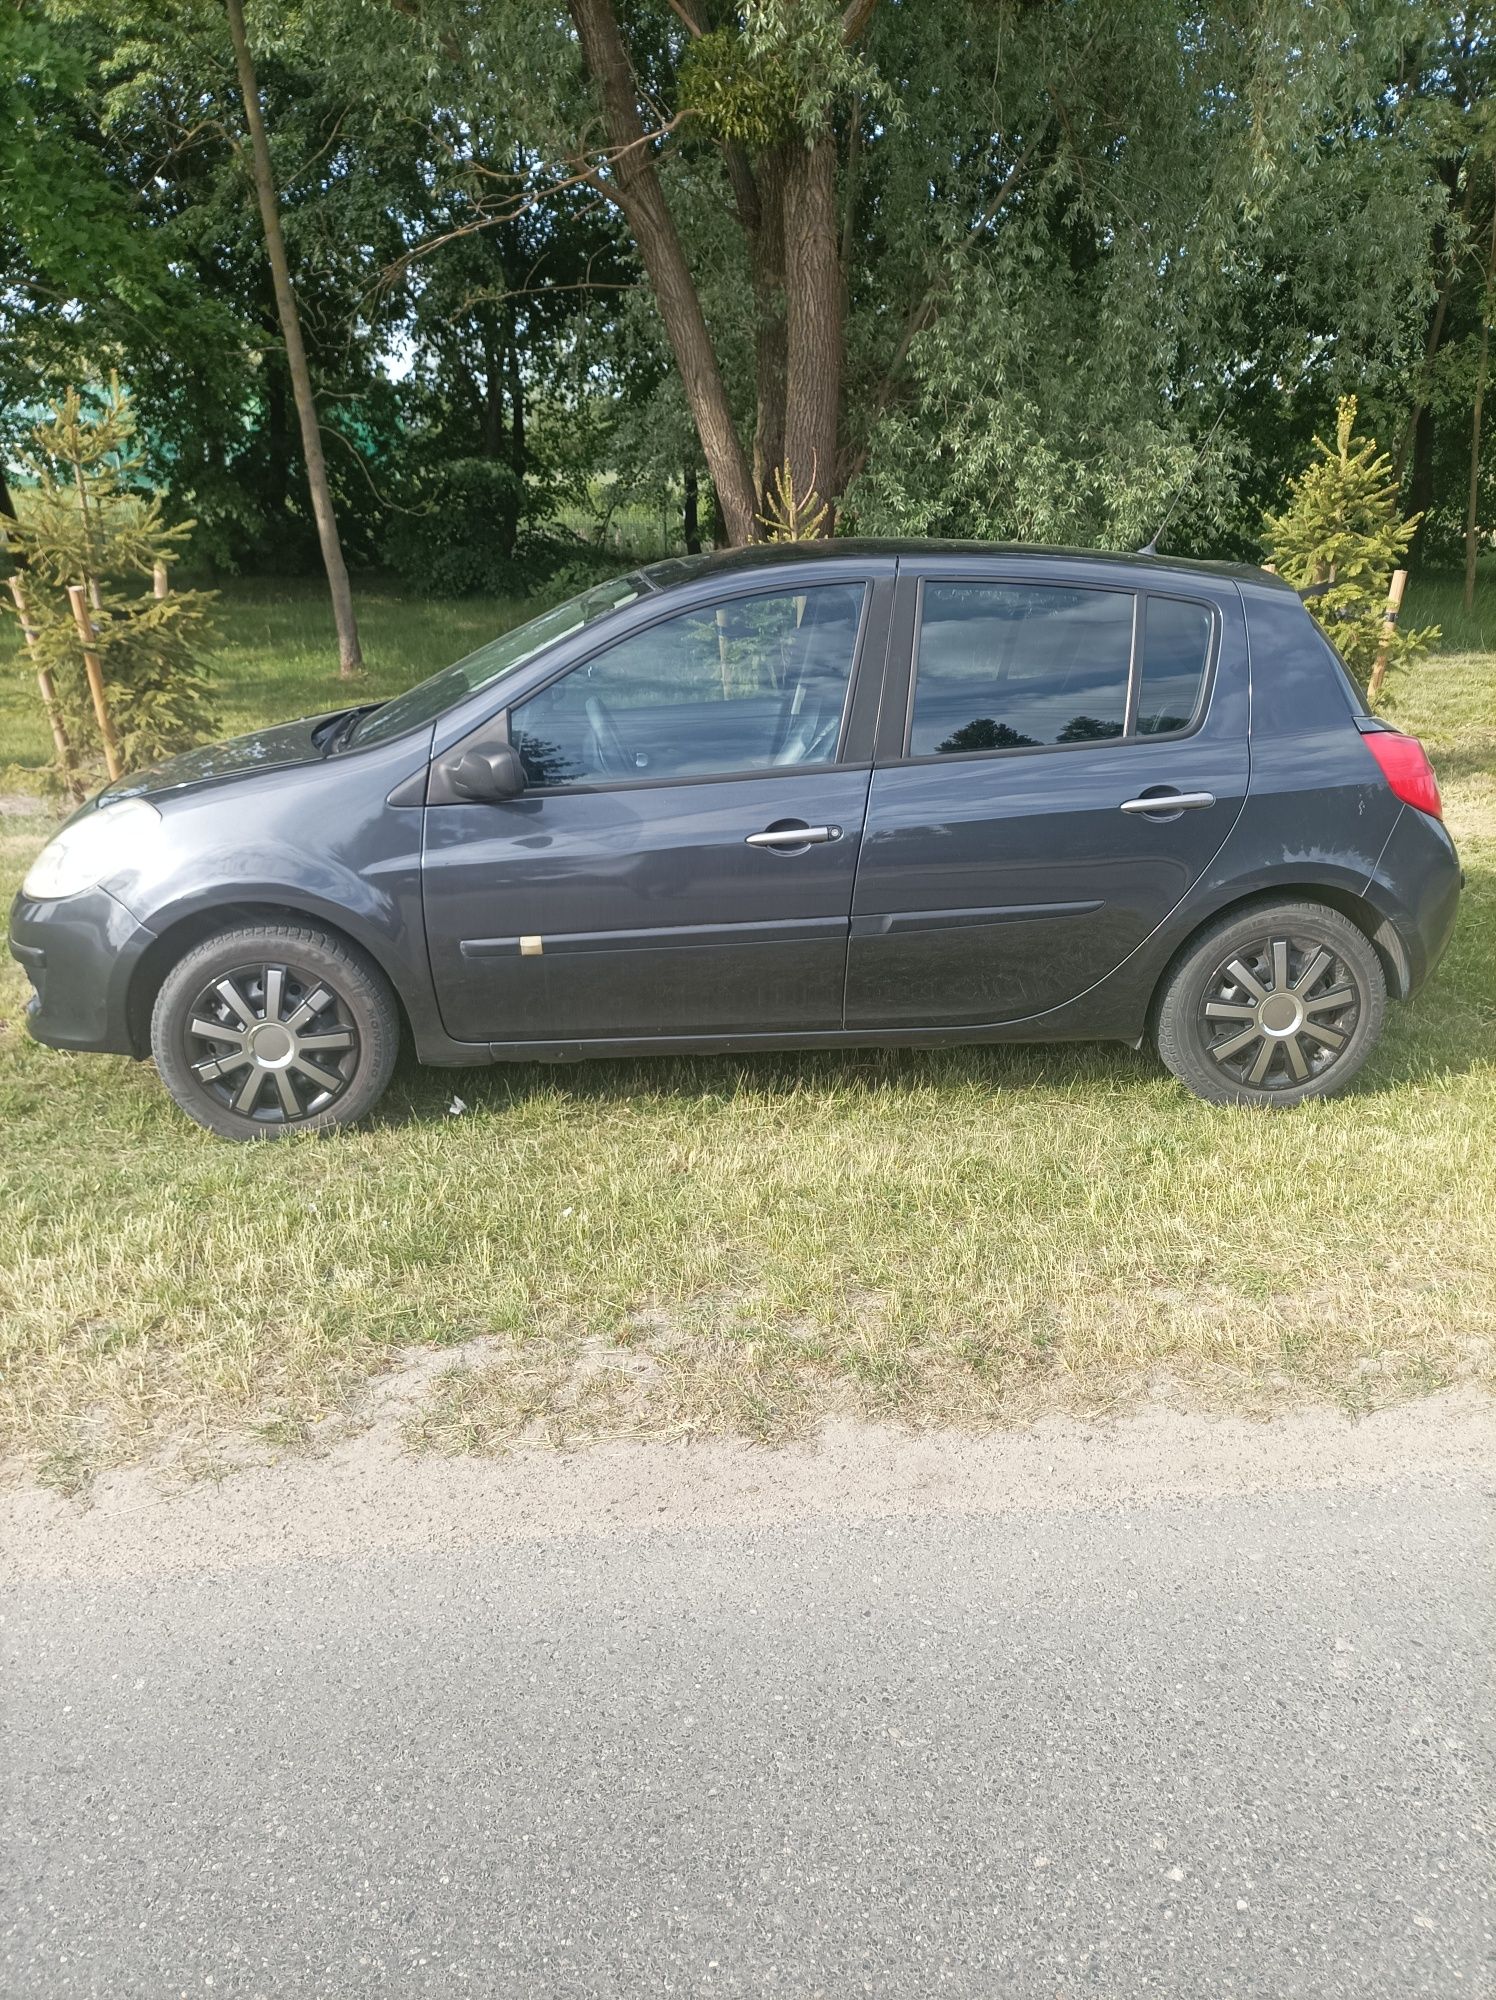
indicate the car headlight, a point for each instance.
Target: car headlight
{"x":101,"y":844}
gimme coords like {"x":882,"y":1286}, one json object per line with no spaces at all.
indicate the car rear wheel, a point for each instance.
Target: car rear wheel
{"x":1272,"y":1005}
{"x":265,"y":1031}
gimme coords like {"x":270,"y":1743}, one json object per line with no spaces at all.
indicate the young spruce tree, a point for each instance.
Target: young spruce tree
{"x":1341,"y":537}
{"x":87,"y":523}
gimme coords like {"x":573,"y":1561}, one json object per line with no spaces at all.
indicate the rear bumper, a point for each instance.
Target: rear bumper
{"x":80,"y":956}
{"x":1418,"y":882}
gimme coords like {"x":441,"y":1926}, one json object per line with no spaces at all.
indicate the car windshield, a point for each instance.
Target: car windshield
{"x":430,"y":698}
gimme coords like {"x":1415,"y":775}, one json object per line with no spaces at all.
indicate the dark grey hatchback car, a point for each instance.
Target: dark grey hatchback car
{"x":860,"y":792}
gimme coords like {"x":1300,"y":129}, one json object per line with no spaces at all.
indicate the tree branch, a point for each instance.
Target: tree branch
{"x":855,"y":19}
{"x":591,"y":175}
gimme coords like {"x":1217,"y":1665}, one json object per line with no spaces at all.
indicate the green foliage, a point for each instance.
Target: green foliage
{"x":735,"y":96}
{"x":776,"y":74}
{"x":1067,"y":231}
{"x":1342,"y":535}
{"x":457,"y":533}
{"x":96,"y":272}
{"x":88,"y":523}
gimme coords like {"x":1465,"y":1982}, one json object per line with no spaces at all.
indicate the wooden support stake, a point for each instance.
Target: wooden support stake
{"x":160,"y":580}
{"x":94,"y":668}
{"x":1389,"y":626}
{"x":66,"y":762}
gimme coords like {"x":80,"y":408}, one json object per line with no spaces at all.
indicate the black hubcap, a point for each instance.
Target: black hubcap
{"x":1280,"y":1013}
{"x":271,"y":1042}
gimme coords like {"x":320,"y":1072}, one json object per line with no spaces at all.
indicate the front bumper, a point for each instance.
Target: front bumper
{"x":80,"y":956}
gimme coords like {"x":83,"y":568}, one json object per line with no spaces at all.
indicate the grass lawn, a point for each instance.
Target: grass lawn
{"x":685,"y":1246}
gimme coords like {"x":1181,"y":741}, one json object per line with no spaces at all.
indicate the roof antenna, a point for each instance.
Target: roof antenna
{"x":1150,"y":548}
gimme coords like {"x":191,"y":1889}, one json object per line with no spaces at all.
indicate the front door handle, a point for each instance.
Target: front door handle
{"x":1162,"y":803}
{"x":782,"y":837}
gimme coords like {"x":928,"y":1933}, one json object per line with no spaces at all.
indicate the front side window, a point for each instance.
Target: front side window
{"x":1015,"y":666}
{"x":748,"y":684}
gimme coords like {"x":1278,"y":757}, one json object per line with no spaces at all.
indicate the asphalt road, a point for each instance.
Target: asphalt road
{"x":1223,"y":1747}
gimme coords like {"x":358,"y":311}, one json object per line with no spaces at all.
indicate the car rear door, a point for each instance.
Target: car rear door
{"x":1061,"y":752}
{"x":682,"y":860}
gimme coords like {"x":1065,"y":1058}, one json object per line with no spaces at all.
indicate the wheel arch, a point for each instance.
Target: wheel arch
{"x":196,"y":927}
{"x":1374,"y":924}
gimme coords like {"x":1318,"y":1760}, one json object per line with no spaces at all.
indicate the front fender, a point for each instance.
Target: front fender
{"x":317,"y":842}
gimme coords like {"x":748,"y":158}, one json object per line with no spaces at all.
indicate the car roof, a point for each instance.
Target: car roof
{"x":676,"y":570}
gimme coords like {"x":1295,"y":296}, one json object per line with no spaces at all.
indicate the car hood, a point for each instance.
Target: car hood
{"x":261,"y":750}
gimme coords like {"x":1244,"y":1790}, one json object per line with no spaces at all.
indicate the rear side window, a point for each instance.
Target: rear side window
{"x":1176,"y":652}
{"x":1005,"y":666}
{"x":1019,"y":666}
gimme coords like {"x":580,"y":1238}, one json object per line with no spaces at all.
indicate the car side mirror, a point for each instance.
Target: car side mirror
{"x":488,"y":774}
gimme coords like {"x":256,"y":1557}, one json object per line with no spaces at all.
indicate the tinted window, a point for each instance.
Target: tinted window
{"x":1006,"y":666}
{"x":1176,"y":647}
{"x":744,"y":685}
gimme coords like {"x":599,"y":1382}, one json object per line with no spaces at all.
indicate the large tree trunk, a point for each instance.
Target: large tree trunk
{"x":642,"y":200}
{"x":350,"y":656}
{"x":771,"y":344}
{"x":813,"y":323}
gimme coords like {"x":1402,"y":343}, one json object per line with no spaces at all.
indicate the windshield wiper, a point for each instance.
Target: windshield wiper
{"x":343,"y":727}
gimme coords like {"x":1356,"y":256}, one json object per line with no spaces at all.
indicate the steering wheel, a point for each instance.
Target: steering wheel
{"x":613,"y":753}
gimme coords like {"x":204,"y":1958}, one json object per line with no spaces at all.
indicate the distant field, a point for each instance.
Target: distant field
{"x":674,"y":1247}
{"x":278,"y":657}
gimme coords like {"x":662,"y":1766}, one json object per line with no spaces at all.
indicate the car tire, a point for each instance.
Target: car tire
{"x":269,"y":1030}
{"x":1273,"y":1004}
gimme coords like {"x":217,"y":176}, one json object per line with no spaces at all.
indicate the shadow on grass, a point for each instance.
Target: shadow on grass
{"x":420,"y":1095}
{"x":1421,"y":1044}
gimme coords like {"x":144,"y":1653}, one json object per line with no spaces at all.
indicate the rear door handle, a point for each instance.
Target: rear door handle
{"x":794,"y":836}
{"x":1161,"y":802}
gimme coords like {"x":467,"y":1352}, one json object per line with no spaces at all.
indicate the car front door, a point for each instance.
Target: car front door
{"x":1068,"y":759}
{"x":681,"y":860}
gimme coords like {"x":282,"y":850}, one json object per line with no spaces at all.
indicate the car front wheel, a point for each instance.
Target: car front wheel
{"x":1272,"y":1005}
{"x":265,"y":1031}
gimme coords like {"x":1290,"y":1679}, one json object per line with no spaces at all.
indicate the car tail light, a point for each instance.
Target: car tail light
{"x":1406,"y":768}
